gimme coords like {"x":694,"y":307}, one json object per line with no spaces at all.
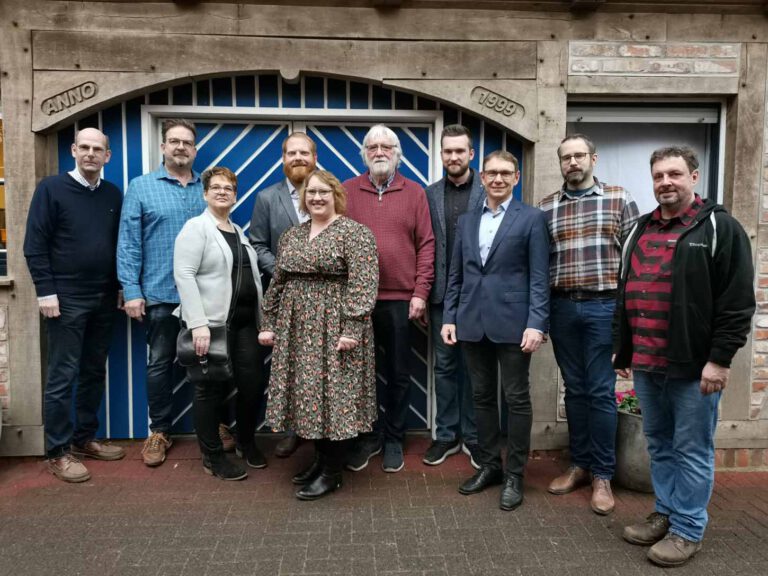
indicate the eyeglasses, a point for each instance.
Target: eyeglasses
{"x":506,"y":175}
{"x":386,"y":148}
{"x":321,"y":192}
{"x":579,"y":156}
{"x":176,"y":142}
{"x":219,"y":188}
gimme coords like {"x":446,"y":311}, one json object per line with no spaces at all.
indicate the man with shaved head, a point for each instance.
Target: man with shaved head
{"x":70,"y":248}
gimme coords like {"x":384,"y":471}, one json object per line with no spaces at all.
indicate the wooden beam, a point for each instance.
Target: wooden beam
{"x":584,"y":6}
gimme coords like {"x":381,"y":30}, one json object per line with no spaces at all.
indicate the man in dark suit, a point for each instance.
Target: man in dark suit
{"x":497,"y":306}
{"x":460,"y":190}
{"x":276,"y":209}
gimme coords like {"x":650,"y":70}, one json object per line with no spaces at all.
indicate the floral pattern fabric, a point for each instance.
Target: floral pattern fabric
{"x":322,"y":289}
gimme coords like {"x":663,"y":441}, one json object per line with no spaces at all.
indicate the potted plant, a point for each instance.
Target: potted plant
{"x":633,"y":466}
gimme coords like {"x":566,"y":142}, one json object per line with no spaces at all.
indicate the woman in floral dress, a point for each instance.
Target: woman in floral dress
{"x":317,"y":315}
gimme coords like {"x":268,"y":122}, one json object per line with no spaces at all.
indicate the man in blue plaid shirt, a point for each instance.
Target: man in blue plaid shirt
{"x":155,"y":208}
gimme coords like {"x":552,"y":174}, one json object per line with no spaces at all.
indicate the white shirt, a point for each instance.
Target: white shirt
{"x":295,"y":199}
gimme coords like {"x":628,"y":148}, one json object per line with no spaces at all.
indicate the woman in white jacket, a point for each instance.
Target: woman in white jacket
{"x":214,"y":289}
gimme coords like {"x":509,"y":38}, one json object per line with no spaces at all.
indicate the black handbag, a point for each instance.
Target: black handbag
{"x":216,"y":366}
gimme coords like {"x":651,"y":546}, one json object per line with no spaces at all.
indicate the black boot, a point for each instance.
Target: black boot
{"x":325,"y":483}
{"x":217,"y":464}
{"x":311,"y":472}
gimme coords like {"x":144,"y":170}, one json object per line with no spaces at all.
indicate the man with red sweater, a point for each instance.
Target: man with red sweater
{"x":396,"y":210}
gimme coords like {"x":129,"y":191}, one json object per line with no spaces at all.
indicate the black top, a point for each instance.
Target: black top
{"x":247,"y":298}
{"x":71,"y":239}
{"x":456,"y":203}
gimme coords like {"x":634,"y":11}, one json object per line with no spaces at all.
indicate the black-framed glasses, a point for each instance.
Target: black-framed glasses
{"x":506,"y":175}
{"x":578,"y":156}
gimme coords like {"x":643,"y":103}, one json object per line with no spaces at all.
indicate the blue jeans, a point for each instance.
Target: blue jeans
{"x":581,"y":337}
{"x":162,"y":330}
{"x":455,"y":415}
{"x":679,"y":423}
{"x":78,"y":345}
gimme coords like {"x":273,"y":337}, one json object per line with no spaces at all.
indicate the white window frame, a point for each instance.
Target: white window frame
{"x":298,"y":117}
{"x":638,"y":111}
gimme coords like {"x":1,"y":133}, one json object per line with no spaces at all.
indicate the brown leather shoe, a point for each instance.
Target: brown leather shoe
{"x":99,"y":451}
{"x":68,"y":468}
{"x":572,"y":479}
{"x":602,"y":497}
{"x":648,"y":532}
{"x":227,"y":440}
{"x":674,"y":550}
{"x":155,"y":448}
{"x":287,"y":446}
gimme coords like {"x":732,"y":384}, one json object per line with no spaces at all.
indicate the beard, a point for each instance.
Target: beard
{"x":579,"y":179}
{"x":297,"y":172}
{"x":457,"y":170}
{"x":381,"y":168}
{"x":178,"y":161}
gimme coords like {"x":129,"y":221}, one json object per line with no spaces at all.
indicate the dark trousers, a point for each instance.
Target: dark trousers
{"x":483,"y":359}
{"x":333,"y":454}
{"x":78,"y":345}
{"x":162,"y":376}
{"x":391,"y":330}
{"x":248,"y":380}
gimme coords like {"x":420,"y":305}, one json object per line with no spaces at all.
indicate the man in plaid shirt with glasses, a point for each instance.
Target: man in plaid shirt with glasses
{"x":587,"y":222}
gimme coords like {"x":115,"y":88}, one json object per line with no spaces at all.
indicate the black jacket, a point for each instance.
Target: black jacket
{"x":713,"y":296}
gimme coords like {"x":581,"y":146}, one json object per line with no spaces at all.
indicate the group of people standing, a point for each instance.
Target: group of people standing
{"x":343,"y":265}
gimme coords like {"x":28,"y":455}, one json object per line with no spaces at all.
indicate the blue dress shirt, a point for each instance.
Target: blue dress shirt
{"x":155,"y":209}
{"x":489,"y":225}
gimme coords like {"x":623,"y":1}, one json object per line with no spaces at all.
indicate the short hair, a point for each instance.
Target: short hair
{"x":305,"y":136}
{"x":454,"y":130}
{"x":577,"y":136}
{"x":174,"y":122}
{"x":381,"y":131}
{"x":505,"y":155}
{"x":219,"y":171}
{"x":106,"y":138}
{"x":326,"y":177}
{"x":684,"y":152}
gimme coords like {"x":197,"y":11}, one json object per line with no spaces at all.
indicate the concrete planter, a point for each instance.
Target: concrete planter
{"x":633,"y":466}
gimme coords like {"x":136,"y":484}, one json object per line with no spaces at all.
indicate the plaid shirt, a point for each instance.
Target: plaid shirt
{"x":155,"y":208}
{"x":586,"y":233}
{"x":648,"y":291}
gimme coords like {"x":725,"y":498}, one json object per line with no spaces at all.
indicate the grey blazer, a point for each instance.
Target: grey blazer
{"x":273,"y":214}
{"x":202,"y":268}
{"x":436,"y":198}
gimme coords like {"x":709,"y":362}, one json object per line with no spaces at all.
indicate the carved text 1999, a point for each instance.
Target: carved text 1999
{"x":497,"y":102}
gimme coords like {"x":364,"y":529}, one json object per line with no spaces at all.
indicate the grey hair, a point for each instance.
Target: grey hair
{"x":381,"y":131}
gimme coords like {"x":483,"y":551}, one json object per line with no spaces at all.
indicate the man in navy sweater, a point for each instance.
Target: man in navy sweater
{"x":70,"y":247}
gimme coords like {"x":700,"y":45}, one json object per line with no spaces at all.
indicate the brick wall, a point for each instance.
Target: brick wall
{"x":652,"y":59}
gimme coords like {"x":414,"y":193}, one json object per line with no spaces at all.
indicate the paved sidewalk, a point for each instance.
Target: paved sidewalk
{"x":175,"y":520}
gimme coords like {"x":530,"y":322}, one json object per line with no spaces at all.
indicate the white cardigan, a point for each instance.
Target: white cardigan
{"x":202,"y":268}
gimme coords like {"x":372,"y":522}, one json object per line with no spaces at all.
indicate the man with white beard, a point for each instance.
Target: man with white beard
{"x":276,"y":209}
{"x":396,"y":210}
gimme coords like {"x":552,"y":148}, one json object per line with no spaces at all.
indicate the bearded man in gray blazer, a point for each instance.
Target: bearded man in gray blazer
{"x":459,"y":191}
{"x":276,"y":209}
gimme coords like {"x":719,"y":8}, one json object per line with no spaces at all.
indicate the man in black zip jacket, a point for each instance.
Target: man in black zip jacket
{"x":684,"y":307}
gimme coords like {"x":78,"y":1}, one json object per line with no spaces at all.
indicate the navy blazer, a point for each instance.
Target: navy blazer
{"x":511,"y":291}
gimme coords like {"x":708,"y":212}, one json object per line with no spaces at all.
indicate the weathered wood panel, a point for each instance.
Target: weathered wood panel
{"x":330,"y":22}
{"x":24,"y":166}
{"x":205,"y":54}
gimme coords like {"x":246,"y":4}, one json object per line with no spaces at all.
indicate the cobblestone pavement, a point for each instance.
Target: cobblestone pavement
{"x":130,"y":520}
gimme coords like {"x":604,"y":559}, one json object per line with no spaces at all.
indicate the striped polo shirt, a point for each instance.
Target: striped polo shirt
{"x":649,"y":287}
